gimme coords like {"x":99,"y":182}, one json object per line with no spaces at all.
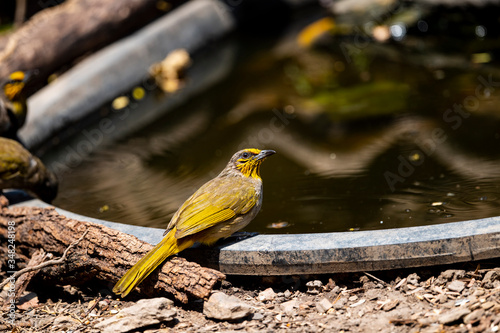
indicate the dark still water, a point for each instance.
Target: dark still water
{"x":386,"y":135}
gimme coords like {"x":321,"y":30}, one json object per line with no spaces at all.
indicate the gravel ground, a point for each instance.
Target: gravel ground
{"x":458,"y":298}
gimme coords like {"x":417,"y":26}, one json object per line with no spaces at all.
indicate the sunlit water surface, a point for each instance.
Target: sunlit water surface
{"x":379,"y":138}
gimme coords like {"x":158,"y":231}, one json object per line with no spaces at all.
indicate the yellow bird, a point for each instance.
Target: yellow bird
{"x":13,"y":106}
{"x":216,"y":210}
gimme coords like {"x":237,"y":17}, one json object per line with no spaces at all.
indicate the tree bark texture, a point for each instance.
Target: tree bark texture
{"x":104,"y":254}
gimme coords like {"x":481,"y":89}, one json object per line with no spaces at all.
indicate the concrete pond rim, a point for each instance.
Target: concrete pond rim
{"x":332,"y":252}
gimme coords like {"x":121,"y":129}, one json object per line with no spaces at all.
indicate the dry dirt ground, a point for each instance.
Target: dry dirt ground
{"x":457,"y":298}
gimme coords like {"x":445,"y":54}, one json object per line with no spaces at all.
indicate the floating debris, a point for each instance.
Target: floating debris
{"x":138,"y":93}
{"x":278,"y":225}
{"x":120,"y":102}
{"x":169,"y":72}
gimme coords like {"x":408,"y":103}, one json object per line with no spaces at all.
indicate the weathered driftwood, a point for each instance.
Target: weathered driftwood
{"x":104,"y":254}
{"x":58,"y":35}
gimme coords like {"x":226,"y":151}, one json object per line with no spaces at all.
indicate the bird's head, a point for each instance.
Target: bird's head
{"x":14,"y":89}
{"x":15,"y":84}
{"x":247,"y":161}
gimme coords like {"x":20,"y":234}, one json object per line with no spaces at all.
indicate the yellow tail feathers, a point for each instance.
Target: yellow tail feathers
{"x":168,"y":246}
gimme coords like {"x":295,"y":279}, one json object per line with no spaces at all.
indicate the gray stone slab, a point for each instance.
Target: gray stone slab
{"x":101,"y":77}
{"x":337,"y":251}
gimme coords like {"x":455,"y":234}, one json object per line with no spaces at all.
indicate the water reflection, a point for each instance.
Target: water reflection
{"x":377,"y":137}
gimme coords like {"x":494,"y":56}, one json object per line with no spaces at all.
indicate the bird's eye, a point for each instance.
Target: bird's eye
{"x":245,"y":155}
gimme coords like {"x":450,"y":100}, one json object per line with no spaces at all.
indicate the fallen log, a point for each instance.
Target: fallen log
{"x":58,"y":35}
{"x":104,"y":254}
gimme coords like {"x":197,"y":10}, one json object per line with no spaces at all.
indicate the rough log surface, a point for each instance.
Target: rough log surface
{"x":23,"y":281}
{"x":104,"y":254}
{"x":58,"y":35}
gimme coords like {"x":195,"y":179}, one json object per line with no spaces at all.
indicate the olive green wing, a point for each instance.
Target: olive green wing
{"x":219,"y":200}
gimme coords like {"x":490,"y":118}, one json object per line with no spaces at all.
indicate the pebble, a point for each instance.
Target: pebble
{"x":456,"y":285}
{"x":413,"y":279}
{"x":487,"y":305}
{"x":473,"y":316}
{"x":453,"y":316}
{"x":442,"y":298}
{"x":223,"y":307}
{"x":323,"y":305}
{"x":266,"y":295}
{"x":314,"y":287}
{"x":258,"y":316}
{"x":290,"y":306}
{"x":489,"y":279}
{"x":372,"y":294}
{"x":144,"y":313}
{"x":389,"y":305}
{"x":340,"y":303}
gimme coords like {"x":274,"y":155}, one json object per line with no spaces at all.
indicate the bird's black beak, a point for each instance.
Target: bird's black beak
{"x":264,"y":153}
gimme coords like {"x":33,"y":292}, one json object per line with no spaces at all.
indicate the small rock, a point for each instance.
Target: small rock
{"x":453,"y":316}
{"x":71,"y":290}
{"x":390,"y":304}
{"x":314,"y":287}
{"x":330,"y":285}
{"x":487,"y":305}
{"x":413,"y":279}
{"x":266,"y":295}
{"x":372,"y":294}
{"x":426,"y":321}
{"x":474,"y":316}
{"x":478,"y":292}
{"x":225,"y":284}
{"x":442,"y":298}
{"x":334,"y":292}
{"x":364,"y":279}
{"x":489,"y":278}
{"x":306,"y":305}
{"x":456,"y":285}
{"x":323,"y":305}
{"x":257,"y":316}
{"x":145,"y":312}
{"x":223,"y":307}
{"x":353,"y":298}
{"x":287,"y":293}
{"x":104,"y":305}
{"x":340,"y":303}
{"x":452,"y":274}
{"x":28,"y":301}
{"x":369,"y":285}
{"x":288,"y":307}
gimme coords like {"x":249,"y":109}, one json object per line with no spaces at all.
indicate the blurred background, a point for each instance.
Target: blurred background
{"x":383,"y":113}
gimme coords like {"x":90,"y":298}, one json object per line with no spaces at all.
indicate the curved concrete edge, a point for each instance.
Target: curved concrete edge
{"x":336,"y":251}
{"x":364,"y":250}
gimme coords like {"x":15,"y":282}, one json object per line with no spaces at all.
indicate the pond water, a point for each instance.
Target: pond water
{"x":368,"y":134}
